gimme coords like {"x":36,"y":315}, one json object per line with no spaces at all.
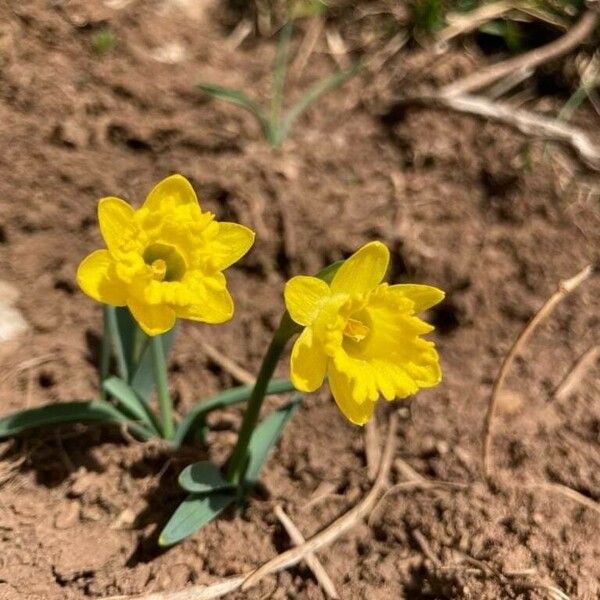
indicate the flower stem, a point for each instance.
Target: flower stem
{"x":159,"y":367}
{"x":239,"y":457}
{"x":105,"y":351}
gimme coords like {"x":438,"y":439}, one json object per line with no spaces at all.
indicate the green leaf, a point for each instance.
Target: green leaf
{"x":320,"y":88}
{"x":129,"y":333}
{"x":202,"y":477}
{"x":130,"y":401}
{"x":265,"y":436}
{"x":143,"y":378}
{"x":110,"y":315}
{"x":239,"y":99}
{"x":327,"y":274}
{"x":67,"y":412}
{"x":195,"y":417}
{"x":193,"y":513}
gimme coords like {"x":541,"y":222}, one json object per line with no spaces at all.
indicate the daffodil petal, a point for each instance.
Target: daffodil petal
{"x":363,"y":271}
{"x":214,"y":304}
{"x":153,"y":319}
{"x":303,"y":298}
{"x":308,"y":363}
{"x":423,"y":296}
{"x":230,"y":244}
{"x":116,"y":221}
{"x":97,"y":278}
{"x":170,"y":193}
{"x":341,"y":389}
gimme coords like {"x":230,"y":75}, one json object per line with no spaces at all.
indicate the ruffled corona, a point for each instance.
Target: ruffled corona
{"x":362,"y":334}
{"x":165,"y":260}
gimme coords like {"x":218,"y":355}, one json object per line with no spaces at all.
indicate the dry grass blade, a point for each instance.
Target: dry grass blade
{"x":196,"y":592}
{"x":529,"y":60}
{"x":567,"y":492}
{"x":564,"y":289}
{"x":238,"y":373}
{"x":338,"y":527}
{"x":372,"y":449}
{"x":314,"y":564}
{"x":576,"y":374}
{"x":463,"y":23}
{"x":307,"y":46}
{"x":426,"y":548}
{"x":525,"y":121}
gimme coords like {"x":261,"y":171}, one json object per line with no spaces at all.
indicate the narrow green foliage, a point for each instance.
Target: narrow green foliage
{"x":307,"y":8}
{"x":276,"y":127}
{"x":239,"y":99}
{"x":142,"y":380}
{"x":265,"y":436}
{"x":428,"y":16}
{"x":194,"y":512}
{"x":508,"y":30}
{"x":195,"y":419}
{"x":131,"y":403}
{"x":68,"y":412}
{"x":103,"y":41}
{"x":202,"y":477}
{"x":209,"y":486}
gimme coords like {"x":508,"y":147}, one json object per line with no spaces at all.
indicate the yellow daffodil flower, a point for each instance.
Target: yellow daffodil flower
{"x":362,"y":334}
{"x":165,"y":260}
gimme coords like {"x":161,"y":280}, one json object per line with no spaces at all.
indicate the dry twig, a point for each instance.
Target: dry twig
{"x":223,"y":361}
{"x":426,"y":548}
{"x":372,"y":449}
{"x":465,"y":22}
{"x":529,"y":60}
{"x":563,"y":290}
{"x":525,"y":121}
{"x":567,"y":492}
{"x":314,"y":564}
{"x":574,"y":377}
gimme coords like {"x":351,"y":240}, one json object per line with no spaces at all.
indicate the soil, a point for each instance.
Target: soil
{"x":491,"y":217}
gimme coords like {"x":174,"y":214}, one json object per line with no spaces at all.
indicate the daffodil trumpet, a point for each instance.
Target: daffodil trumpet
{"x":362,"y":334}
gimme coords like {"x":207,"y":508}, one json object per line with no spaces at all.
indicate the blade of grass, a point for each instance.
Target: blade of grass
{"x":68,"y":412}
{"x":131,"y":402}
{"x":195,"y":418}
{"x":239,"y":99}
{"x":320,"y":88}
{"x":279,"y":72}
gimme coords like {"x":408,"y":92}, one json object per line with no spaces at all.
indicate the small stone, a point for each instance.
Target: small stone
{"x":67,"y":517}
{"x":12,"y":322}
{"x":124,"y":520}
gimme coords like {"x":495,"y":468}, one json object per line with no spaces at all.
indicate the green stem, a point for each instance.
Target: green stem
{"x":117,"y":342}
{"x":104,"y":351}
{"x":196,"y":418}
{"x":239,"y":457}
{"x":159,"y":368}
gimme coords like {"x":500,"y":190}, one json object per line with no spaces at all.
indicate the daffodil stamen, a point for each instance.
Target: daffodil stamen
{"x":159,"y":269}
{"x":355,"y":330}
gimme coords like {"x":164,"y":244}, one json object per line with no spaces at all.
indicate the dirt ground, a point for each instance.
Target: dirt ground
{"x":489,"y":216}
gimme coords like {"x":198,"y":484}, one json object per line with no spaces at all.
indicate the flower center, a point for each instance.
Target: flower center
{"x":356,"y":330}
{"x":166,"y":262}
